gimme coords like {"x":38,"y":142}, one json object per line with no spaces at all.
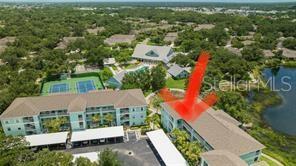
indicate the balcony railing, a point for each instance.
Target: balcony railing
{"x":27,"y":120}
{"x":124,"y":112}
{"x":29,"y":128}
{"x":54,"y":114}
{"x":124,"y":118}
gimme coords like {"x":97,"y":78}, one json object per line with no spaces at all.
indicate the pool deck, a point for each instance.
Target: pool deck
{"x":72,"y":82}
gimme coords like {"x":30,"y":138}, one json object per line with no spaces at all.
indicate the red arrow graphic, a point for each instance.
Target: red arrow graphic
{"x":190,"y":108}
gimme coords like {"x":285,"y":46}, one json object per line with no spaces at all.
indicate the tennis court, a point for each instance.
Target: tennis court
{"x":73,"y":85}
{"x":85,"y":86}
{"x":58,"y":88}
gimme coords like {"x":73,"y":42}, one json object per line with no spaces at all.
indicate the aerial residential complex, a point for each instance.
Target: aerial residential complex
{"x":216,"y":131}
{"x":26,"y":116}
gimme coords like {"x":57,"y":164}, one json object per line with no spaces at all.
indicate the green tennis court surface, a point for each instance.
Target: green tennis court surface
{"x":73,"y":85}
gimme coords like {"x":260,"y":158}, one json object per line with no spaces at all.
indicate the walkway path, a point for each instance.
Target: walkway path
{"x":273,"y":159}
{"x":151,"y":108}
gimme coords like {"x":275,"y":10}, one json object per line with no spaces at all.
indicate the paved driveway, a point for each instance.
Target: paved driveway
{"x":132,"y":153}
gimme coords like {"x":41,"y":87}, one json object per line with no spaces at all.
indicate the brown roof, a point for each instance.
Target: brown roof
{"x":222,"y":158}
{"x":63,"y":44}
{"x":204,"y":26}
{"x":171,"y":37}
{"x":95,"y":31}
{"x":289,"y":53}
{"x":29,"y":106}
{"x":268,"y":53}
{"x":119,"y":39}
{"x":4,"y":42}
{"x":221,"y":131}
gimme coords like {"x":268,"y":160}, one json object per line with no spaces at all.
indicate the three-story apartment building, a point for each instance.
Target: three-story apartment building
{"x":217,"y":132}
{"x":27,"y":115}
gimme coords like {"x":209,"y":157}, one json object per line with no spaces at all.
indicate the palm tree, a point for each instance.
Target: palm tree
{"x":109,"y":118}
{"x":54,"y":125}
{"x":96,"y":120}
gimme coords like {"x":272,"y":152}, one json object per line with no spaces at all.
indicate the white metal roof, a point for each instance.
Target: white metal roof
{"x":92,"y":156}
{"x":47,"y":139}
{"x":166,"y":149}
{"x":99,"y":133}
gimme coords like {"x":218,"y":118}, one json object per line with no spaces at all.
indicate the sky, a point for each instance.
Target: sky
{"x":233,"y":1}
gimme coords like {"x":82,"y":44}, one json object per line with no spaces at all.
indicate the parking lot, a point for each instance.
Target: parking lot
{"x":134,"y":152}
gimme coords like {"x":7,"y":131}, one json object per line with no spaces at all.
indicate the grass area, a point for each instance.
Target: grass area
{"x":289,"y":63}
{"x":71,"y":84}
{"x":269,"y":162}
{"x":114,"y":67}
{"x":179,"y":84}
{"x":130,"y":66}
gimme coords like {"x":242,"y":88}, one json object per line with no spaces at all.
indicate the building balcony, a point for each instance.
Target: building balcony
{"x":30,"y":128}
{"x":124,"y":112}
{"x":124,"y":118}
{"x":28,"y":120}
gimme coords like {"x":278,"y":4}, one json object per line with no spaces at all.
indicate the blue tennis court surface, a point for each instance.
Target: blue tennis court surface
{"x":85,"y":86}
{"x":57,"y":88}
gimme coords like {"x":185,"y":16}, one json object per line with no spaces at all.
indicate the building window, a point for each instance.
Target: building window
{"x":6,"y":122}
{"x":256,"y":159}
{"x":8,"y":129}
{"x":19,"y":128}
{"x":81,"y":124}
{"x":80,"y":116}
{"x":17,"y":121}
{"x":142,"y":116}
{"x":257,"y":152}
{"x":142,"y":109}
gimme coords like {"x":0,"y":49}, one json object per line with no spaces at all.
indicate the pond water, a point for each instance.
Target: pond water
{"x":282,"y":117}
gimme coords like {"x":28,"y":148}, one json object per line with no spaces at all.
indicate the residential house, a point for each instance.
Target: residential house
{"x":26,"y":115}
{"x":171,"y":37}
{"x":215,"y":130}
{"x":268,"y":53}
{"x":116,"y":80}
{"x":109,"y":61}
{"x":289,"y":54}
{"x":4,"y":43}
{"x":153,"y":54}
{"x":63,"y":44}
{"x":178,"y":72}
{"x":204,"y":26}
{"x":116,"y":39}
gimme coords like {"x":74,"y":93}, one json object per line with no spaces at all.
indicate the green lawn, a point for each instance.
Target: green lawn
{"x":179,"y":84}
{"x":269,"y":162}
{"x":71,"y":84}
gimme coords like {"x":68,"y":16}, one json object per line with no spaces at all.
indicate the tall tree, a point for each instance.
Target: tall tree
{"x":54,"y":125}
{"x":252,"y":53}
{"x":190,"y":150}
{"x":96,"y":120}
{"x":109,"y":118}
{"x":139,"y":79}
{"x":108,"y":158}
{"x":82,"y":161}
{"x":13,"y":150}
{"x":158,"y":75}
{"x":49,"y":158}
